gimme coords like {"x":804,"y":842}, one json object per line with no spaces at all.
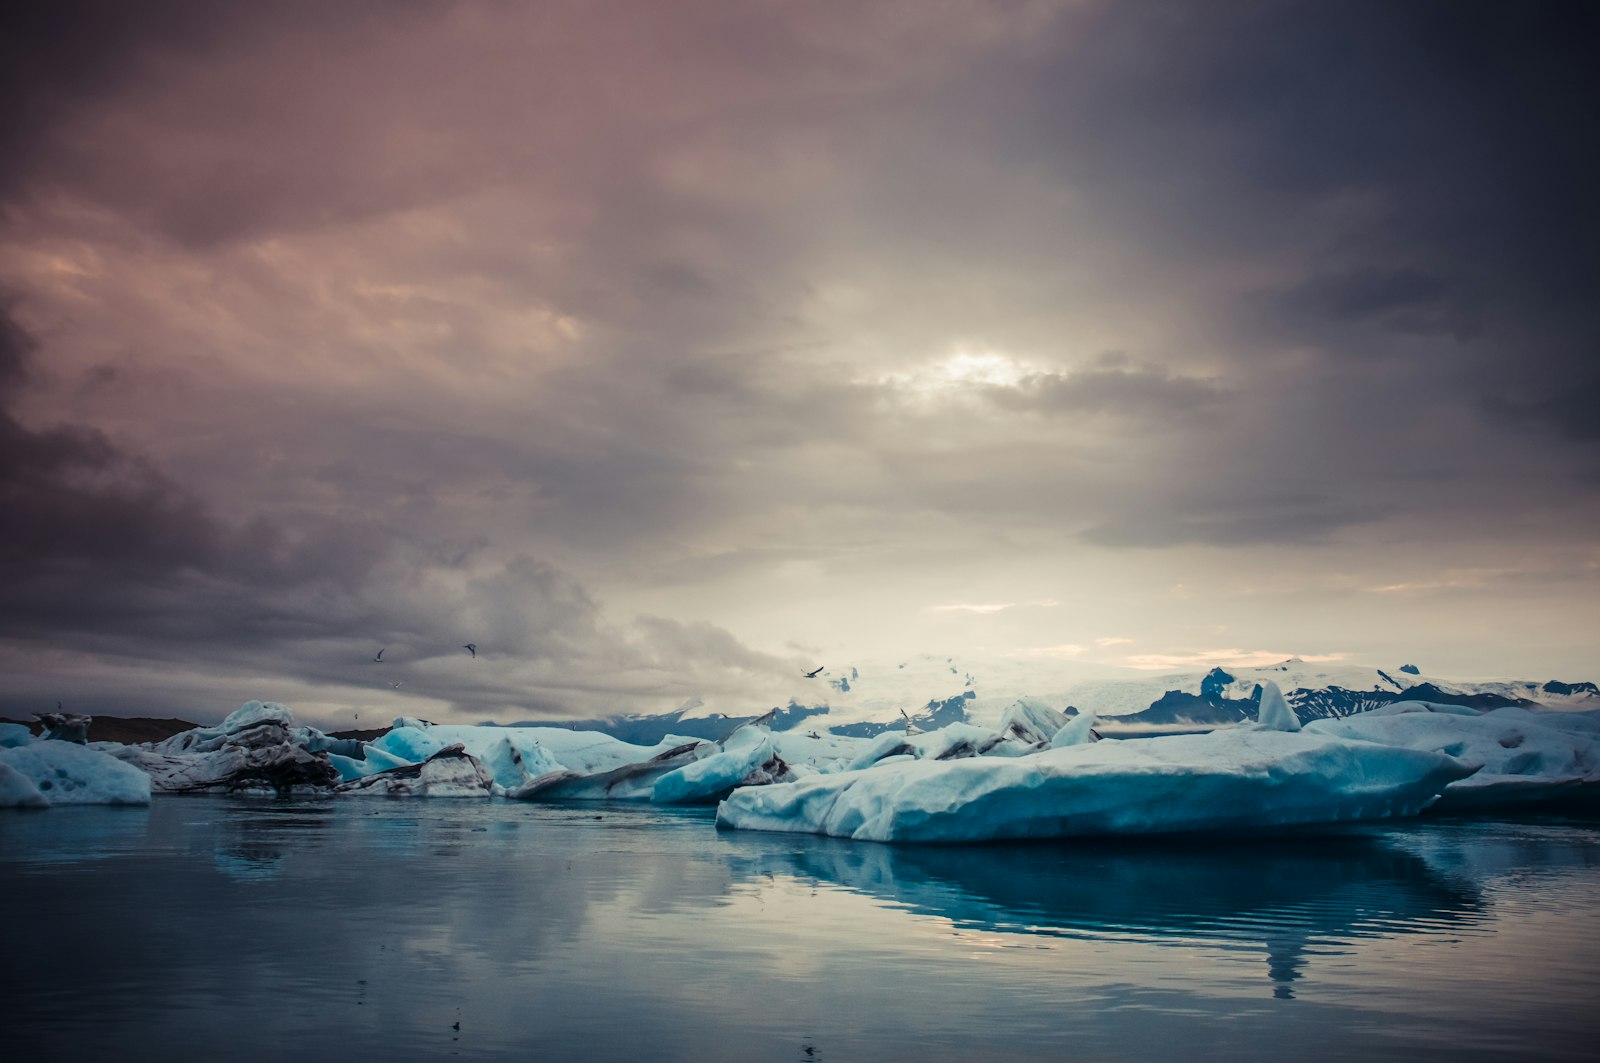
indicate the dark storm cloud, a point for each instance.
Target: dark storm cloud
{"x":1432,"y":163}
{"x":1396,"y":300}
{"x":1569,"y":410}
{"x":67,"y":494}
{"x":64,"y":63}
{"x":100,"y":549}
{"x":89,"y":532}
{"x":57,"y":58}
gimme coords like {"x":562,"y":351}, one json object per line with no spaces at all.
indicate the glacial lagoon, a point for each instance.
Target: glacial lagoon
{"x":217,"y":927}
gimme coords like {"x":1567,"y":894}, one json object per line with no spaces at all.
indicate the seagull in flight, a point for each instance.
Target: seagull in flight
{"x":472,"y":648}
{"x":396,"y":686}
{"x":815,"y":671}
{"x":379,"y":657}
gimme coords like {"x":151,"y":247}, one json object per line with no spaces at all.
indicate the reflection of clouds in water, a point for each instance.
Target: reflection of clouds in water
{"x":1478,"y":850}
{"x":1282,"y":895}
{"x":562,"y":928}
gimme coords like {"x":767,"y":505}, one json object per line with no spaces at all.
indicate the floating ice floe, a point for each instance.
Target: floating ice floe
{"x":1245,"y":778}
{"x":40,"y":773}
{"x":1527,"y":755}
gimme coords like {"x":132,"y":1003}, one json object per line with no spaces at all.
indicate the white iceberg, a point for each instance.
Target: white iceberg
{"x":65,"y":773}
{"x":1527,"y":755}
{"x":1223,"y":781}
{"x":1031,"y":721}
{"x":1076,"y":732}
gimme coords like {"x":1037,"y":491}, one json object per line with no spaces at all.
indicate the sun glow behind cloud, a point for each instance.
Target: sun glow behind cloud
{"x":961,"y":371}
{"x":984,"y":608}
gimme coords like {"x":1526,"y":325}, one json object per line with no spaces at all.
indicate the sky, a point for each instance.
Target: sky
{"x":662,"y":351}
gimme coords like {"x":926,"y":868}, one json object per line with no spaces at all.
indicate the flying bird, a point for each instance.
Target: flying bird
{"x":396,"y":686}
{"x":472,"y":648}
{"x":815,"y":671}
{"x":379,"y":657}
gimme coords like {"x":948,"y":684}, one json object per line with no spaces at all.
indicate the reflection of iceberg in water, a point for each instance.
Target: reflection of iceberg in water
{"x":255,"y":835}
{"x":1293,"y":898}
{"x":248,"y":863}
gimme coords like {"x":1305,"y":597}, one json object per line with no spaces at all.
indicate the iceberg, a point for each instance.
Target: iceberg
{"x":1527,"y":755}
{"x":1076,"y":732}
{"x":634,"y":781}
{"x":1031,"y":721}
{"x":1232,"y":780}
{"x":66,"y":727}
{"x":44,"y":772}
{"x":750,"y":758}
{"x":257,"y":748}
{"x":451,"y":772}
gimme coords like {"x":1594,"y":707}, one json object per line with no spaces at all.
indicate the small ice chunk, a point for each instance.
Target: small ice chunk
{"x":1031,"y":721}
{"x":1275,"y":713}
{"x":1076,"y":732}
{"x":66,"y":727}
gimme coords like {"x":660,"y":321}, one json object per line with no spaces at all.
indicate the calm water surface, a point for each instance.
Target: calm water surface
{"x":217,"y":928}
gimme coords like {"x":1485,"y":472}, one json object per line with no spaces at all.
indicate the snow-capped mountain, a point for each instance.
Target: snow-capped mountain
{"x":867,"y":698}
{"x":1323,"y":692}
